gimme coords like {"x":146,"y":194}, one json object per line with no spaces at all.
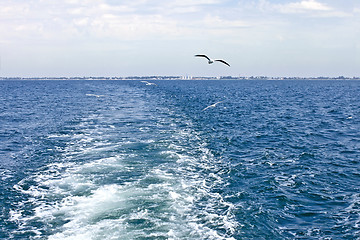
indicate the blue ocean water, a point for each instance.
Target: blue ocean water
{"x":126,"y":160}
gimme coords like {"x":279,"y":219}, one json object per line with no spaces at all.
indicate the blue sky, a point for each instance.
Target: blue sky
{"x":160,"y":37}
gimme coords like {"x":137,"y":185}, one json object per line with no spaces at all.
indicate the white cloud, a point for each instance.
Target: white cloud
{"x":132,"y":27}
{"x":9,"y":11}
{"x":293,"y":7}
{"x":216,"y":22}
{"x":179,"y":6}
{"x":311,"y":8}
{"x":187,"y":3}
{"x":128,"y":19}
{"x":74,"y":18}
{"x":67,"y":29}
{"x":305,"y":5}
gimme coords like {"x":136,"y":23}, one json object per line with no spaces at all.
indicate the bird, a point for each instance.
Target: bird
{"x":148,"y":83}
{"x":212,"y":105}
{"x":210,"y":61}
{"x":94,"y":95}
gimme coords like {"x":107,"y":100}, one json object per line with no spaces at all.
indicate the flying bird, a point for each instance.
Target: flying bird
{"x":94,"y":95}
{"x":210,"y":61}
{"x":148,"y":83}
{"x":212,"y":105}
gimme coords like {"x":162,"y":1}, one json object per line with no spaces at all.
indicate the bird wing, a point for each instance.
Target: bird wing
{"x":207,"y":107}
{"x":212,"y":105}
{"x":202,"y":55}
{"x":220,"y":60}
{"x":94,"y":95}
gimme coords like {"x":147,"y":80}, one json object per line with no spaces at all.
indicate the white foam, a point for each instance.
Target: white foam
{"x":285,"y":180}
{"x":173,"y":199}
{"x":174,"y":195}
{"x":5,"y":174}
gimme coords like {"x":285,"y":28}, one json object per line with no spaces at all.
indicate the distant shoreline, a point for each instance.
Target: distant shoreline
{"x":180,"y":78}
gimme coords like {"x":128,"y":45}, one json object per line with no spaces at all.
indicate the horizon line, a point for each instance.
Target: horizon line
{"x":177,"y":77}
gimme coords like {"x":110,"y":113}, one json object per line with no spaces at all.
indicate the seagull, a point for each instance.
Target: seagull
{"x":210,"y":61}
{"x":148,"y":83}
{"x":212,"y":105}
{"x":94,"y":95}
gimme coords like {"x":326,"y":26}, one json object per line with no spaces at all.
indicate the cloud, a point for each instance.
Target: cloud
{"x":139,"y":19}
{"x":216,"y":22}
{"x":193,"y":2}
{"x":126,"y":19}
{"x":133,"y":27}
{"x":79,"y":19}
{"x":304,"y":6}
{"x":9,"y":11}
{"x":294,"y":7}
{"x":312,"y":8}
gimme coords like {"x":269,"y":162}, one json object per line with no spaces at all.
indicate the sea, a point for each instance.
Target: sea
{"x":180,"y":159}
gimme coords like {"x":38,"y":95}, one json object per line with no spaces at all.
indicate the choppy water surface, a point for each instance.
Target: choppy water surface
{"x":126,"y":160}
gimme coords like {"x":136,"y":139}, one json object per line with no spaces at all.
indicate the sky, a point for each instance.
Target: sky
{"x":298,"y":38}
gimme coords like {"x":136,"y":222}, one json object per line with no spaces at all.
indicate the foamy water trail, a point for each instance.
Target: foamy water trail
{"x":127,"y":174}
